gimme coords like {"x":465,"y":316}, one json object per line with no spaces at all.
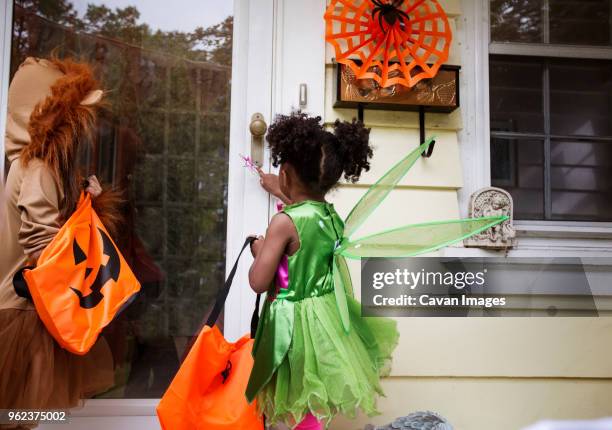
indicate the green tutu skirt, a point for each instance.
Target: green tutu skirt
{"x":327,"y":371}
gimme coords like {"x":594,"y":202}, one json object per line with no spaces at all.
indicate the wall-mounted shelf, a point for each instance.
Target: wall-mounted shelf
{"x":439,"y":94}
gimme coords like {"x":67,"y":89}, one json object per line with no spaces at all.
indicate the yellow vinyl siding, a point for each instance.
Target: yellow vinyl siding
{"x":481,"y":373}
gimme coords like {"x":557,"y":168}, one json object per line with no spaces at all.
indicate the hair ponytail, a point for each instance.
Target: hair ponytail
{"x":320,"y":157}
{"x":345,"y":152}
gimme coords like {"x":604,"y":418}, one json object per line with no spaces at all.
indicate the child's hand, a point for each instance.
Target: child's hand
{"x":93,"y":186}
{"x":269,"y":182}
{"x":256,"y":245}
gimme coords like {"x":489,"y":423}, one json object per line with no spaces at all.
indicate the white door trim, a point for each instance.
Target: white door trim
{"x":274,"y":74}
{"x":474,"y":138}
{"x":252,"y":63}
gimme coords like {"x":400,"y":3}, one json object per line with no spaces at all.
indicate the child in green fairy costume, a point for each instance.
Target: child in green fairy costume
{"x":315,"y":356}
{"x":304,"y":361}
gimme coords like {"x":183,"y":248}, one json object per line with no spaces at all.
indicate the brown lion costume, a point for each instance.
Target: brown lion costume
{"x":52,"y":110}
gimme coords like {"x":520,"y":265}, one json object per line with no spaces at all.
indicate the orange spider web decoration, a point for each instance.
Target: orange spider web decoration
{"x":389,"y":41}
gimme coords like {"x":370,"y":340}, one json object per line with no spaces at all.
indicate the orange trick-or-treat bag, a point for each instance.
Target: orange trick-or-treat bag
{"x":81,"y":281}
{"x":208,"y":391}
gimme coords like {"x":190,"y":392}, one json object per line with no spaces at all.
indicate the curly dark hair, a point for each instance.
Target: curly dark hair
{"x":320,"y":157}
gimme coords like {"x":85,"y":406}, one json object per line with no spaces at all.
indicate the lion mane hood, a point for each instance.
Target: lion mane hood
{"x":50,"y":104}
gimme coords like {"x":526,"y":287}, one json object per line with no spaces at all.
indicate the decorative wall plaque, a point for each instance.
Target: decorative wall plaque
{"x":491,"y":201}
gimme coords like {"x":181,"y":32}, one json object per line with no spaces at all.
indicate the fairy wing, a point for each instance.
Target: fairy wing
{"x":381,"y":189}
{"x":415,"y":239}
{"x":406,"y":241}
{"x":360,"y":212}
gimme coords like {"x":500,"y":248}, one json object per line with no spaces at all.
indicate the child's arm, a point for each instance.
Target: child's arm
{"x":269,"y":182}
{"x":268,"y":252}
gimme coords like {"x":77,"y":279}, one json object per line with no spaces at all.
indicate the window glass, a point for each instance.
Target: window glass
{"x":516,"y":21}
{"x":584,"y":22}
{"x":164,"y":140}
{"x":517,"y":166}
{"x":515,"y":91}
{"x":581,"y":97}
{"x":581,"y":180}
{"x":564,"y":22}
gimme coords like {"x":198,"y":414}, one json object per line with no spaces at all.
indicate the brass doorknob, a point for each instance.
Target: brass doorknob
{"x":258,"y":128}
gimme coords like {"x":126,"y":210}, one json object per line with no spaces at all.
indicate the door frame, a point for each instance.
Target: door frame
{"x":273,"y":73}
{"x":296,"y":58}
{"x":248,"y":204}
{"x":284,"y":48}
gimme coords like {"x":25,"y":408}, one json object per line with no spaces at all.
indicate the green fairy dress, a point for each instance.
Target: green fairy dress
{"x":313,"y":351}
{"x":304,"y":360}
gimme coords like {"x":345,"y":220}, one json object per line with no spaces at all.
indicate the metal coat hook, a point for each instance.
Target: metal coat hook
{"x":430,"y":149}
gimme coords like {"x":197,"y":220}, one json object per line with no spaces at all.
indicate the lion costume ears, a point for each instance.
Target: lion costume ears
{"x":92,"y":98}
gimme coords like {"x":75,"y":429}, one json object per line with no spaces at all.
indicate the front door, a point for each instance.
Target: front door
{"x":183,"y":80}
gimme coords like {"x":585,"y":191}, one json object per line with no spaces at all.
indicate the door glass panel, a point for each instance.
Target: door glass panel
{"x":164,"y":140}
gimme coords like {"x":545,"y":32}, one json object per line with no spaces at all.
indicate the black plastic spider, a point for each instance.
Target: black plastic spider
{"x":389,"y":11}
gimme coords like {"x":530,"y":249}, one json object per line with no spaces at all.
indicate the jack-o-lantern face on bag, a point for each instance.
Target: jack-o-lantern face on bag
{"x":106,"y":272}
{"x":81,"y":281}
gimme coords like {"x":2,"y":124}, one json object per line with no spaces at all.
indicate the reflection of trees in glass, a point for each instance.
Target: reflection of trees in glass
{"x":567,"y":21}
{"x":164,"y":138}
{"x":213,"y":44}
{"x":516,"y":20}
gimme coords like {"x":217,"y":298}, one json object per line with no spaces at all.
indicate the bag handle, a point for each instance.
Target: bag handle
{"x":20,"y":285}
{"x":223,"y":292}
{"x":255,"y":317}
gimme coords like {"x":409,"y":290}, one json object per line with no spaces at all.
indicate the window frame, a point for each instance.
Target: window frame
{"x":6,"y":17}
{"x":547,"y":137}
{"x":547,"y":51}
{"x":578,"y":238}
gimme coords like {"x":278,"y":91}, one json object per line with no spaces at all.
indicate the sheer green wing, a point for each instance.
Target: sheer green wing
{"x":377,"y":192}
{"x":405,"y":241}
{"x":344,"y":274}
{"x":415,"y":239}
{"x":342,"y":286}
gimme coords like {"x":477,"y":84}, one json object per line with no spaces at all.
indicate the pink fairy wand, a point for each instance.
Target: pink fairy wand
{"x":249,"y":164}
